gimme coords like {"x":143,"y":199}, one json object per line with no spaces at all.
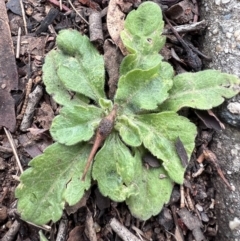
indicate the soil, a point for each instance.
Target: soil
{"x":194,"y":218}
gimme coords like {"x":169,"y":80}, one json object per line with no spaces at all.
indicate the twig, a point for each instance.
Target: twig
{"x":44,"y":227}
{"x":34,"y":98}
{"x":199,"y":171}
{"x":121,"y":231}
{"x":78,"y":12}
{"x":89,"y":227}
{"x":10,"y":139}
{"x":56,"y":3}
{"x":62,"y":230}
{"x":60,"y":5}
{"x":5,"y":149}
{"x":189,"y":200}
{"x":192,"y":58}
{"x":24,"y":17}
{"x":18,"y":43}
{"x":182,"y":204}
{"x":28,"y":91}
{"x":187,"y":27}
{"x":95,"y":27}
{"x":11,"y":233}
{"x":211,"y":157}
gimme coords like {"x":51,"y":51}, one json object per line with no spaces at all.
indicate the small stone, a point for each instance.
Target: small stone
{"x":234,"y":107}
{"x":215,"y":31}
{"x":218,"y":48}
{"x":237,"y":33}
{"x":229,"y":35}
{"x":3,"y":86}
{"x":204,"y":217}
{"x":229,"y":172}
{"x":226,"y":51}
{"x":199,"y":207}
{"x":238,"y":38}
{"x":217,"y":2}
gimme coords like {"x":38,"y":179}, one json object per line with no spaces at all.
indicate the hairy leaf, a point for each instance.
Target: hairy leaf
{"x":152,"y":191}
{"x":52,"y":180}
{"x":142,"y":90}
{"x":53,"y":84}
{"x":75,"y":124}
{"x":159,"y":133}
{"x":136,"y":61}
{"x":202,"y":90}
{"x":114,"y":169}
{"x":128,"y":130}
{"x":83,"y":68}
{"x":143,"y":28}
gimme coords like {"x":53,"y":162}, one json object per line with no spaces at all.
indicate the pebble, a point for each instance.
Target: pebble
{"x":238,"y":38}
{"x":217,"y":2}
{"x":237,"y":33}
{"x":229,"y":35}
{"x":199,"y":207}
{"x":218,"y":48}
{"x":234,"y":107}
{"x":204,"y":217}
{"x":215,"y":31}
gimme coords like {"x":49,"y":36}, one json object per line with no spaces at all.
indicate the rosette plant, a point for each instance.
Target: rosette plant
{"x":142,"y":118}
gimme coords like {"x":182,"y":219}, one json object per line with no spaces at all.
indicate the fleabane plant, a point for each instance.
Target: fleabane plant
{"x":141,"y":118}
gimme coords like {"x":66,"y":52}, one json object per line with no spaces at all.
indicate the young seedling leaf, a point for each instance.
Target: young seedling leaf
{"x":143,"y":28}
{"x":114,"y":169}
{"x":83,"y":68}
{"x":128,"y":130}
{"x":53,"y":84}
{"x":143,"y":62}
{"x":202,"y":90}
{"x":153,"y":190}
{"x":159,"y":133}
{"x":52,"y":180}
{"x":75,"y":124}
{"x":142,"y":90}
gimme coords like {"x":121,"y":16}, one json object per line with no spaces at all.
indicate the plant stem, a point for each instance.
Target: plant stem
{"x":104,"y":129}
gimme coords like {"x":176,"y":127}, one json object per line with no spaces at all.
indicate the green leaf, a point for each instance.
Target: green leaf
{"x":202,"y":90}
{"x":152,"y":192}
{"x":53,"y":84}
{"x":136,"y":61}
{"x":159,"y":133}
{"x":128,"y":130}
{"x":53,"y":179}
{"x":143,"y":28}
{"x":75,"y":124}
{"x":83,"y":68}
{"x":114,"y":169}
{"x":142,"y":90}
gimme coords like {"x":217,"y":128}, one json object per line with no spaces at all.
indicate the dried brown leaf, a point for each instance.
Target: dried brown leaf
{"x":115,"y":23}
